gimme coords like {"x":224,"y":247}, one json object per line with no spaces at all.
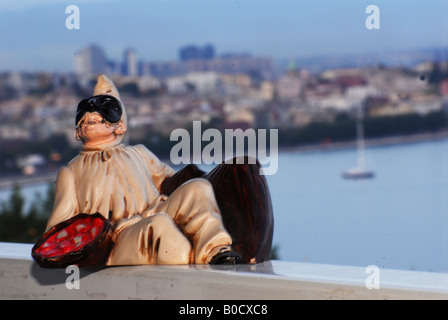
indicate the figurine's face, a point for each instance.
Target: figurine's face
{"x":94,"y":131}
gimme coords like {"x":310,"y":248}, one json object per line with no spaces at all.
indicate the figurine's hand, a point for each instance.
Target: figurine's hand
{"x":126,"y":222}
{"x":152,"y":210}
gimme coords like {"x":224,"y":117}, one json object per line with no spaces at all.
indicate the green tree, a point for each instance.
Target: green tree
{"x":16,"y":225}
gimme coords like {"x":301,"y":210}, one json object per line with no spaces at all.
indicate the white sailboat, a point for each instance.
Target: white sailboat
{"x":359,"y":172}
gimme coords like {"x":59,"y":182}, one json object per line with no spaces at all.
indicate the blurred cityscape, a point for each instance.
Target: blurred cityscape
{"x":310,"y":101}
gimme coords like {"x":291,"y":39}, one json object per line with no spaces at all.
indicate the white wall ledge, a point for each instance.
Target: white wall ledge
{"x":22,"y":278}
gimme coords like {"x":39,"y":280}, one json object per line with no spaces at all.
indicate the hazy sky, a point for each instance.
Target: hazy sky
{"x":33,"y":35}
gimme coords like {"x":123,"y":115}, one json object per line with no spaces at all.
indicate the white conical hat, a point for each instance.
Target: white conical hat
{"x":104,"y":85}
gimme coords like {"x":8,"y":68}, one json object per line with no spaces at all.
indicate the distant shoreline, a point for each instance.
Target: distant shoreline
{"x":371,"y":142}
{"x":27,"y":180}
{"x":24,"y":180}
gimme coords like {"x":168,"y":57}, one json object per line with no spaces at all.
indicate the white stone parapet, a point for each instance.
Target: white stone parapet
{"x":22,"y":278}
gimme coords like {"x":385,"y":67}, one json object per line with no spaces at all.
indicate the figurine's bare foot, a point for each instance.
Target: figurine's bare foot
{"x":226,"y":256}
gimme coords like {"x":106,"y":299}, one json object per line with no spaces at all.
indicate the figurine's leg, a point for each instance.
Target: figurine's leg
{"x":152,"y":240}
{"x":193,"y":208}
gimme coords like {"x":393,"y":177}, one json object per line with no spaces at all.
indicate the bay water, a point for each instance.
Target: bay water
{"x":399,"y":219}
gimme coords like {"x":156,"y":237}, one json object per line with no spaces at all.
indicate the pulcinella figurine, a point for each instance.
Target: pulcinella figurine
{"x":120,"y":205}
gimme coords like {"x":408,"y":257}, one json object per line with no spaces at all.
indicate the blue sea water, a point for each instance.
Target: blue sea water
{"x":397,"y":220}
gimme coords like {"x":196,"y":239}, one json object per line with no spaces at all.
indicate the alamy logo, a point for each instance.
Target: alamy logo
{"x":373,"y":20}
{"x":373,"y":278}
{"x":73,"y":20}
{"x":212,"y":153}
{"x":72,"y":281}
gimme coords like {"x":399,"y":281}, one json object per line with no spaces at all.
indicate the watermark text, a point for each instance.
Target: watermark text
{"x":373,"y":20}
{"x":73,"y":20}
{"x":72,"y":281}
{"x":233,"y":145}
{"x":373,"y":278}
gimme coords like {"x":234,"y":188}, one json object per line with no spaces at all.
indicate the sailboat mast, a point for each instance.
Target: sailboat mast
{"x":360,"y":138}
{"x":359,"y":172}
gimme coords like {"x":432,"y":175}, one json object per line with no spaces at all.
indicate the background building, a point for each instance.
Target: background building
{"x":130,"y":65}
{"x":193,"y":52}
{"x":90,"y":60}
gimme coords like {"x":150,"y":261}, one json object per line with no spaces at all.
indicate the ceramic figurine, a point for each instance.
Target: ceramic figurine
{"x":120,"y":205}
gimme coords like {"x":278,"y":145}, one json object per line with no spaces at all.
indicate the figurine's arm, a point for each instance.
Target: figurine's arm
{"x":65,"y":204}
{"x":158,"y":169}
{"x":189,"y":172}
